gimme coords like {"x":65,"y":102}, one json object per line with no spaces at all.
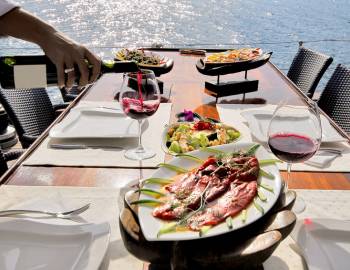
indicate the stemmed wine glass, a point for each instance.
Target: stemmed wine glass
{"x":139,"y":98}
{"x":294,"y":135}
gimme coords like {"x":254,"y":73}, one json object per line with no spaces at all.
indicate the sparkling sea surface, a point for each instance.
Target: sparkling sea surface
{"x":274,"y":25}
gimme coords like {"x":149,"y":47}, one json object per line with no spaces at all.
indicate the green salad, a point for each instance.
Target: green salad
{"x":185,"y":137}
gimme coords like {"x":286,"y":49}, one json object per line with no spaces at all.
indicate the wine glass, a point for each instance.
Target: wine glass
{"x":294,"y":135}
{"x":140,"y":98}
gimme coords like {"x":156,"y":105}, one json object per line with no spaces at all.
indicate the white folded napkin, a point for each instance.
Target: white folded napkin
{"x":322,"y":159}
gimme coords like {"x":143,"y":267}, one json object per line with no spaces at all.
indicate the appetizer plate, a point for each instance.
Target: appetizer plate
{"x":163,"y":60}
{"x":95,"y":123}
{"x":325,"y":243}
{"x":228,"y":57}
{"x":168,"y":127}
{"x":151,"y":225}
{"x":27,"y":244}
{"x":259,"y":120}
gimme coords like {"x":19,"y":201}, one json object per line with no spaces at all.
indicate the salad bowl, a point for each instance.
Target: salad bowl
{"x":185,"y":137}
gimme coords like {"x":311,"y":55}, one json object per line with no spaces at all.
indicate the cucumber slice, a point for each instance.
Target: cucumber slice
{"x":262,"y":196}
{"x":267,"y":187}
{"x":211,"y":150}
{"x":173,"y":168}
{"x":251,"y":151}
{"x":204,"y":230}
{"x":190,"y":157}
{"x":265,"y":162}
{"x":159,"y":181}
{"x":244,"y":214}
{"x":147,"y":202}
{"x":150,"y":192}
{"x":258,"y":207}
{"x":266,"y":174}
{"x":167,"y":228}
{"x":229,"y":222}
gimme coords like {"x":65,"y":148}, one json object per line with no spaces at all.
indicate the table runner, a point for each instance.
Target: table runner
{"x":104,"y":207}
{"x":231,"y":114}
{"x":44,"y":155}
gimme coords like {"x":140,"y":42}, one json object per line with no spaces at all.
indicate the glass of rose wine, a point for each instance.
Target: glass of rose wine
{"x":294,"y":135}
{"x":139,"y":98}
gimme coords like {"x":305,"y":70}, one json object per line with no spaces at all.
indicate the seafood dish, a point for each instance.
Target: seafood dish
{"x":233,"y":56}
{"x":225,"y":189}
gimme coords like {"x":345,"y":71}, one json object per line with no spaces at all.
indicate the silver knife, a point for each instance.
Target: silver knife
{"x":82,"y":146}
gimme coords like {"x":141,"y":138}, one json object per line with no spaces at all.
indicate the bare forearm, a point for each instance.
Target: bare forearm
{"x":63,"y":51}
{"x":21,"y":24}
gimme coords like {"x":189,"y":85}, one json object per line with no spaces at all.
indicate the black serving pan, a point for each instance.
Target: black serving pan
{"x":228,"y":68}
{"x":242,"y":249}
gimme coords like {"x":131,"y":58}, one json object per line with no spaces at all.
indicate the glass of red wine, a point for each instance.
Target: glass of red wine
{"x":294,"y":135}
{"x":139,"y":98}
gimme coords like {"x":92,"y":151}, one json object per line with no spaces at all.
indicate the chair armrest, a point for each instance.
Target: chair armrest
{"x":13,"y":154}
{"x":60,"y":106}
{"x":69,"y":97}
{"x":27,"y":140}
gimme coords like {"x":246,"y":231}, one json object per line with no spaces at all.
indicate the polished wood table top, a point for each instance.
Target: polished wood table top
{"x":187,"y":93}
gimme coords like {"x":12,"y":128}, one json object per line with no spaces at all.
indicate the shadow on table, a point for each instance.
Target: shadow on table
{"x":239,"y":101}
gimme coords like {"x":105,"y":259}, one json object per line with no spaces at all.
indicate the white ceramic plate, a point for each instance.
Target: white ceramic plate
{"x":325,"y":243}
{"x":167,"y":127}
{"x":150,"y":225}
{"x":258,"y":121}
{"x":95,"y":123}
{"x":26,"y":244}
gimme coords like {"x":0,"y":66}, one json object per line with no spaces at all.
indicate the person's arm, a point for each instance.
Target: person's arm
{"x":63,"y":52}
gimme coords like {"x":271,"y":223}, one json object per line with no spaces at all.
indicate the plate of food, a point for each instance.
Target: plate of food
{"x":210,"y":192}
{"x":233,"y":56}
{"x":141,"y":57}
{"x":146,"y":59}
{"x":184,"y":137}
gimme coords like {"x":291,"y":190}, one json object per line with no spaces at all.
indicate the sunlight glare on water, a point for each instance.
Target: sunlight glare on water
{"x":273,"y":25}
{"x":199,"y":23}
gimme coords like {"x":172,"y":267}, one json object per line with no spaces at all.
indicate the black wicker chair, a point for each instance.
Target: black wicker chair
{"x":335,"y":98}
{"x":307,"y":69}
{"x":10,"y":155}
{"x":30,"y":110}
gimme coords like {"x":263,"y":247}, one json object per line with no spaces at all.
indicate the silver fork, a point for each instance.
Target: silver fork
{"x":67,"y":214}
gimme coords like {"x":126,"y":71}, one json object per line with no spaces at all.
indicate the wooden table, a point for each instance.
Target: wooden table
{"x":187,"y":93}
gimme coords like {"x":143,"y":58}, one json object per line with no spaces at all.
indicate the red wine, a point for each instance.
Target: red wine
{"x":139,"y":109}
{"x":7,"y":64}
{"x":292,"y":148}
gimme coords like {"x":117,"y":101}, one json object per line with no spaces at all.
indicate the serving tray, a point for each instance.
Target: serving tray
{"x":246,"y":248}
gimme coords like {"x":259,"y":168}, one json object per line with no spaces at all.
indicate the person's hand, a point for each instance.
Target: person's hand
{"x":65,"y":54}
{"x":62,"y":51}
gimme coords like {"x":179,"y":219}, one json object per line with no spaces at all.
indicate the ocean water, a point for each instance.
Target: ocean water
{"x":273,"y":25}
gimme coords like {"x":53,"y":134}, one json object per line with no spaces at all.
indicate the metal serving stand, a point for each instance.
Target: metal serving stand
{"x":222,"y":89}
